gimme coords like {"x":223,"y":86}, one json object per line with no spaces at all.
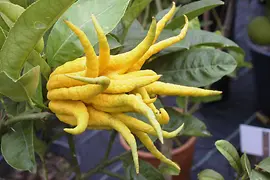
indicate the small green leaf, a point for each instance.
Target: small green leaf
{"x":38,"y":96}
{"x":194,"y":24}
{"x":196,"y":67}
{"x":192,"y":127}
{"x":206,"y":99}
{"x":14,"y":108}
{"x":230,"y":153}
{"x":245,"y":164}
{"x":36,"y":60}
{"x":17,"y":147}
{"x":22,"y":89}
{"x":209,"y":174}
{"x":192,"y":10}
{"x":40,"y":147}
{"x":256,"y":175}
{"x":27,"y":31}
{"x":147,"y":171}
{"x":63,"y":45}
{"x":264,"y":165}
{"x":167,"y":169}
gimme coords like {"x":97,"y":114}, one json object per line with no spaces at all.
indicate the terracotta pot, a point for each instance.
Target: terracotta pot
{"x":182,"y":156}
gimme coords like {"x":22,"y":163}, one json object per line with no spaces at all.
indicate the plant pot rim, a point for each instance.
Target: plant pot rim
{"x":148,"y":155}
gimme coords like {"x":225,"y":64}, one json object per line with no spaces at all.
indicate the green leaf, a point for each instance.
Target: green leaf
{"x":168,"y":169}
{"x":197,"y":38}
{"x":27,"y":31}
{"x":209,"y":174}
{"x":192,"y":10}
{"x":193,"y":126}
{"x":23,"y":3}
{"x":2,"y":37}
{"x":22,"y":89}
{"x":3,"y":24}
{"x":264,"y":165}
{"x":134,"y":11}
{"x":17,"y":147}
{"x":36,"y":60}
{"x":195,"y":67}
{"x":204,"y":99}
{"x":63,"y":45}
{"x":147,"y":171}
{"x":38,"y":96}
{"x":113,"y":43}
{"x":14,"y":108}
{"x":230,"y":153}
{"x":256,"y":175}
{"x":194,"y":24}
{"x":134,"y":36}
{"x":245,"y":164}
{"x":40,"y":147}
{"x":11,"y":13}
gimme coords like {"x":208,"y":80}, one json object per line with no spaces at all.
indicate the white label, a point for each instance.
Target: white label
{"x":255,"y":140}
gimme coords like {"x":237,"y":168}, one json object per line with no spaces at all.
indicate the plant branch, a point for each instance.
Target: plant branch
{"x":111,"y":141}
{"x":159,"y":5}
{"x":74,"y":156}
{"x":194,"y":108}
{"x":145,"y":17}
{"x":217,"y":19}
{"x":28,"y":117}
{"x":228,"y":19}
{"x":186,"y":105}
{"x":45,"y":171}
{"x":115,"y":175}
{"x":105,"y":164}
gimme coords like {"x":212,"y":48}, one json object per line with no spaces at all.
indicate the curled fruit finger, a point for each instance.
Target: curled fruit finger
{"x":74,"y":108}
{"x":137,"y":105}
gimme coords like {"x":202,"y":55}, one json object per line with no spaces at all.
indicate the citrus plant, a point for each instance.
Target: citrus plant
{"x":92,"y":65}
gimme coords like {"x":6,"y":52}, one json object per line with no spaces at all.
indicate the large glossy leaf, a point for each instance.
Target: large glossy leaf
{"x":27,"y":31}
{"x":192,"y":10}
{"x":264,"y":165}
{"x":230,"y":153}
{"x":2,"y":37}
{"x":63,"y":45}
{"x":113,"y":43}
{"x":192,"y":125}
{"x":23,"y":3}
{"x":147,"y":171}
{"x":195,"y":67}
{"x":134,"y":11}
{"x":3,"y":24}
{"x":209,"y":174}
{"x":17,"y":147}
{"x":23,"y":88}
{"x":256,"y":175}
{"x":195,"y":38}
{"x":11,"y":13}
